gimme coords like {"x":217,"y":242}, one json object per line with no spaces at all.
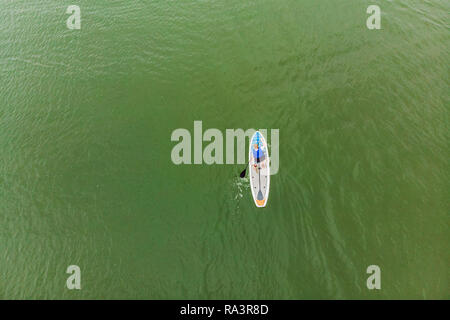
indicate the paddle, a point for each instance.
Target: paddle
{"x":242,"y":175}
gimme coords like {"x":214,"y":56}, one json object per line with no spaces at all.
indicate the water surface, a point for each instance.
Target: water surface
{"x":86,"y":176}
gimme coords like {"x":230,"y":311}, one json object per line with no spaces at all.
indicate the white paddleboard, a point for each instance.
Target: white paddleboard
{"x":259,"y":169}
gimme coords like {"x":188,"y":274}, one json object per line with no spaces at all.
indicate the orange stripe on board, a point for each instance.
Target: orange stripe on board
{"x":260,"y":202}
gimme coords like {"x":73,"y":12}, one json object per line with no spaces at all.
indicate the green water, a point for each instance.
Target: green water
{"x":86,"y":176}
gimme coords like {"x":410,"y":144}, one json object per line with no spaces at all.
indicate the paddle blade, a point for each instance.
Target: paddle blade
{"x":242,"y":175}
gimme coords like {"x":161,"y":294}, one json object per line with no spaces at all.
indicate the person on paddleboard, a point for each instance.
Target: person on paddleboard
{"x":259,"y":156}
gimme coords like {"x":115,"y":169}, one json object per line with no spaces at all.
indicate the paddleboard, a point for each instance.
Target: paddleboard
{"x":259,"y":169}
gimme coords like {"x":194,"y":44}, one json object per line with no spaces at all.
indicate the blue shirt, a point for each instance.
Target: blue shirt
{"x":257,"y":154}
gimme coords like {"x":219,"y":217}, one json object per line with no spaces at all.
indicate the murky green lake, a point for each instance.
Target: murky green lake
{"x":86,"y":176}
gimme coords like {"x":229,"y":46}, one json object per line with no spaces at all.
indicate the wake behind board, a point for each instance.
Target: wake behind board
{"x":259,"y":169}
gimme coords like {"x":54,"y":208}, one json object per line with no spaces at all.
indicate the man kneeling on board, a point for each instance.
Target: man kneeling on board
{"x":259,"y":156}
